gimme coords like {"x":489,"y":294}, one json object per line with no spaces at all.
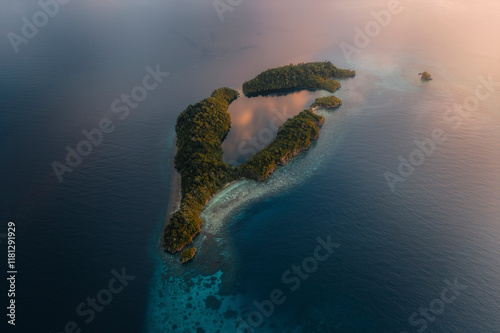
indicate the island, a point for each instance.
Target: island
{"x":294,"y":136}
{"x":201,"y":129}
{"x":425,"y":76}
{"x":312,"y":76}
{"x":328,"y":102}
{"x":187,"y":255}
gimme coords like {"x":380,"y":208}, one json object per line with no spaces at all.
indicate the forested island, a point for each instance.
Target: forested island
{"x":293,"y":136}
{"x":202,"y":128}
{"x":328,"y":102}
{"x":313,"y":76}
{"x":426,"y":76}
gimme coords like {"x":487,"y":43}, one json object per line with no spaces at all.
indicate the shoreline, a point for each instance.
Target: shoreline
{"x":174,"y":199}
{"x":206,"y":172}
{"x":175,"y":195}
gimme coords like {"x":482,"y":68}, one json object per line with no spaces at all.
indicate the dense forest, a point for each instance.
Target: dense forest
{"x":328,"y":102}
{"x":293,"y":136}
{"x":188,"y":254}
{"x":202,"y":128}
{"x":313,"y":75}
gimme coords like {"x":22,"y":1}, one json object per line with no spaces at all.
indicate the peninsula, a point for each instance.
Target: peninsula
{"x":202,"y":128}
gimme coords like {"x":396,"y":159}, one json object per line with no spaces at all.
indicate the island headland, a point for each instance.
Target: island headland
{"x":201,"y":129}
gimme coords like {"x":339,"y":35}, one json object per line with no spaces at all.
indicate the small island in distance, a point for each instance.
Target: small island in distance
{"x":202,"y":128}
{"x":188,"y":254}
{"x":425,"y":76}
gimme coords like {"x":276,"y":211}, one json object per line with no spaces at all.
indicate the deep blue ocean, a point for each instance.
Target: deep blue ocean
{"x":403,"y":182}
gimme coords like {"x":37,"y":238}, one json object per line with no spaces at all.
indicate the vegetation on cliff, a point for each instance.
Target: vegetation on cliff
{"x":328,"y":102}
{"x":313,"y":75}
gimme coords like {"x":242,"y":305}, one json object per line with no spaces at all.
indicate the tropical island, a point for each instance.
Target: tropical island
{"x":201,"y":129}
{"x":328,"y":102}
{"x":426,"y":76}
{"x":312,"y":76}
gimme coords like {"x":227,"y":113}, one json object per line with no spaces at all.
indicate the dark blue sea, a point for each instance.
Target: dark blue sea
{"x":389,"y":223}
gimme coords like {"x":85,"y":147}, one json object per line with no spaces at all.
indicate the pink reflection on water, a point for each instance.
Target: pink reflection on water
{"x":254,"y":121}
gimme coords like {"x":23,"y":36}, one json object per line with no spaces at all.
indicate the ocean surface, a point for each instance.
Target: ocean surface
{"x":403,"y":182}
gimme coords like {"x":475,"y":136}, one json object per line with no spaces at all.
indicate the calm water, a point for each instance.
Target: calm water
{"x":255,"y":121}
{"x":396,"y":248}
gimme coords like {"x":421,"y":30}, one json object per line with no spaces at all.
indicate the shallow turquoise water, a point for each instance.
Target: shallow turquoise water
{"x":396,"y":248}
